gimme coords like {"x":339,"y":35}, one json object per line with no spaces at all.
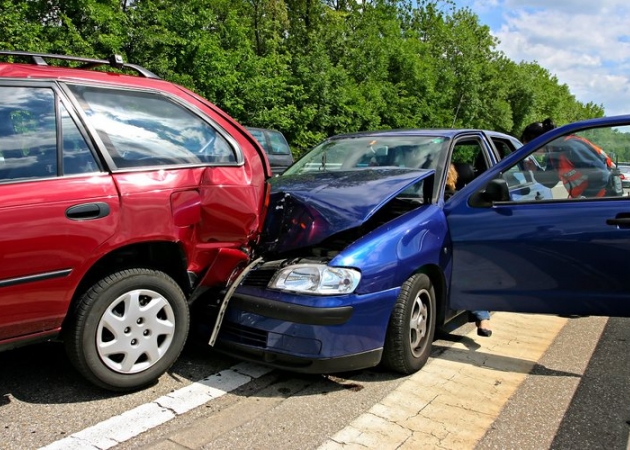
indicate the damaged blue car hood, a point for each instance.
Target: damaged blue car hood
{"x":306,"y":209}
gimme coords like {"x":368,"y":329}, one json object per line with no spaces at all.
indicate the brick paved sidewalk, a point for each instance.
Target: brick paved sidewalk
{"x":430,"y":410}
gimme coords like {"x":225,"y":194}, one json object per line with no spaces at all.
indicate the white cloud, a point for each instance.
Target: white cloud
{"x":586,"y":45}
{"x":568,"y":6}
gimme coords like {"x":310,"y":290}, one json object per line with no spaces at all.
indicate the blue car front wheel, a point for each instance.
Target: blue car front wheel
{"x":411,"y":326}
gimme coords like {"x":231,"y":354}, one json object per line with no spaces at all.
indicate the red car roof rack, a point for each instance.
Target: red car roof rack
{"x":115,"y":61}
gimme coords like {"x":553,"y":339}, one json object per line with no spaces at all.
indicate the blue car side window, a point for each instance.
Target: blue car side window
{"x":571,"y":167}
{"x":523,"y":186}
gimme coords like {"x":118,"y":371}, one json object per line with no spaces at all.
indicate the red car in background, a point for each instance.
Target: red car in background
{"x":122,"y":198}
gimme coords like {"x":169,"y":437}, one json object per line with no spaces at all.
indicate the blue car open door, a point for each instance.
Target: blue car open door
{"x":535,"y":234}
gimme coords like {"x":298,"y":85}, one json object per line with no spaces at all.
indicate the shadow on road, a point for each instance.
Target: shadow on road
{"x":498,"y":362}
{"x":43,"y":374}
{"x":599,"y":413}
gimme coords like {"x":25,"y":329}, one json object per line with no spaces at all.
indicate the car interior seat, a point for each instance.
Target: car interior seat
{"x":465,"y":174}
{"x":480,"y":164}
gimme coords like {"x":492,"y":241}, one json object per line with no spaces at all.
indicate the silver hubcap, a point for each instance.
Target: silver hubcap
{"x":135,"y":331}
{"x":418,"y":322}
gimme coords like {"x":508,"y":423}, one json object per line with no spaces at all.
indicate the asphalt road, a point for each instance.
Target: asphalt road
{"x":43,"y":400}
{"x":576,"y":396}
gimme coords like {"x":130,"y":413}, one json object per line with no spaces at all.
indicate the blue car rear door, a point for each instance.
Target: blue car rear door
{"x":521,"y":243}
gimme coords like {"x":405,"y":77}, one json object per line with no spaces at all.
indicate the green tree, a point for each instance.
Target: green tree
{"x":310,"y":68}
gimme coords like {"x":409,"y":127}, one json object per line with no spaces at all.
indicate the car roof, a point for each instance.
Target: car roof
{"x":263,"y":129}
{"x":35,"y":66}
{"x":445,"y":132}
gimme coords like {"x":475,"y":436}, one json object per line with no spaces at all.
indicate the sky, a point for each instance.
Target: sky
{"x":584,"y":43}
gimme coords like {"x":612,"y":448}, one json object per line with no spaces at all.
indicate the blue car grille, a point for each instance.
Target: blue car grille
{"x":244,"y":335}
{"x":259,"y":278}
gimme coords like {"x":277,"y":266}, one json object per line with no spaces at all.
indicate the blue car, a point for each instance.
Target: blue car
{"x":363,"y":256}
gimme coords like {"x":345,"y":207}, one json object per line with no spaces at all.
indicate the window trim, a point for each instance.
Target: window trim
{"x":35,"y":84}
{"x":66,"y":86}
{"x":82,"y":131}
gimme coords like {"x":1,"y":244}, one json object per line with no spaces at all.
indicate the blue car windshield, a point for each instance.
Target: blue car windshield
{"x":369,"y":151}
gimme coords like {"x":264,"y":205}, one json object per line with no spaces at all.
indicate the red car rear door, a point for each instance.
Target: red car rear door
{"x":56,"y":208}
{"x":185,"y":170}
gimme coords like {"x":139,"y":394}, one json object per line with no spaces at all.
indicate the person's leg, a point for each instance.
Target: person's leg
{"x":482,"y":320}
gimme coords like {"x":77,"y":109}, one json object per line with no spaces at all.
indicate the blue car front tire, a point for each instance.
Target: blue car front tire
{"x":411,"y":326}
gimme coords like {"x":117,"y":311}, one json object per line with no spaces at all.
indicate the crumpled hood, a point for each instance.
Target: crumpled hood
{"x":306,"y":209}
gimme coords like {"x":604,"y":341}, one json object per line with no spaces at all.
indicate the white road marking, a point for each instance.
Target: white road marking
{"x":129,"y":424}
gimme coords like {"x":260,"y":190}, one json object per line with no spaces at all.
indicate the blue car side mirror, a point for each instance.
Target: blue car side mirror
{"x":495,"y":191}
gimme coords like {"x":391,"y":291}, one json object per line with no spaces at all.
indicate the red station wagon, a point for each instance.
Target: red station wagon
{"x":123,"y":197}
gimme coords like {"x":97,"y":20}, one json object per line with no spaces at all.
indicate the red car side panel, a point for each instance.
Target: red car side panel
{"x":212,"y":212}
{"x":230,"y":211}
{"x":36,"y":238}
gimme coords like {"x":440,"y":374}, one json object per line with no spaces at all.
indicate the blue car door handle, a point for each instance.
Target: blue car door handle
{"x":87,"y":211}
{"x":622,"y":220}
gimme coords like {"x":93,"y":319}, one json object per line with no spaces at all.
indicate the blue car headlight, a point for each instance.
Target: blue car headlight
{"x":318,"y":279}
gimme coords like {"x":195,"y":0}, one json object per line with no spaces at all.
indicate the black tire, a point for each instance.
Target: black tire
{"x":149,"y":328}
{"x":411,"y":326}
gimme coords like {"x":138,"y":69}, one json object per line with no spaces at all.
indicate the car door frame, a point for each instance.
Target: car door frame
{"x":539,"y":256}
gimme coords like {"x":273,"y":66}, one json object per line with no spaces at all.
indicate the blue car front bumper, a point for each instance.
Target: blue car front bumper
{"x":307,"y":334}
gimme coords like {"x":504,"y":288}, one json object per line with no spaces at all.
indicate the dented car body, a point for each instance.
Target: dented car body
{"x":364,"y":256}
{"x":356,"y":253}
